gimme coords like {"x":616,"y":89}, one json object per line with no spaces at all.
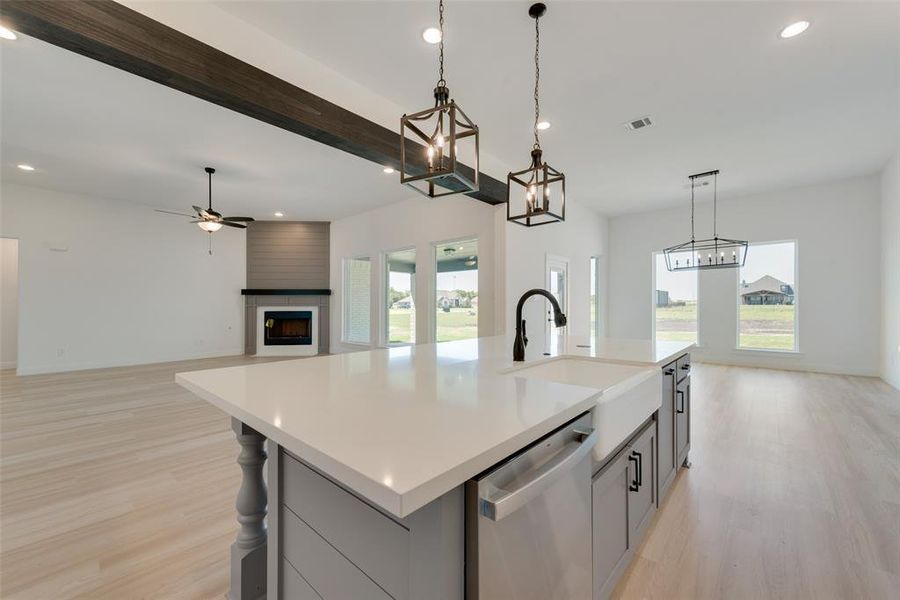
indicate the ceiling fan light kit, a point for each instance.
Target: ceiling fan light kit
{"x":539,"y":190}
{"x":710,"y":253}
{"x":432,"y":142}
{"x":209,"y":220}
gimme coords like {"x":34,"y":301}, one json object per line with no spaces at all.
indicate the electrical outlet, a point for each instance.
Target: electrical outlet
{"x":60,"y":351}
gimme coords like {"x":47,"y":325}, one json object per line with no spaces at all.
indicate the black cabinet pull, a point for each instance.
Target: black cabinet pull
{"x":680,"y":395}
{"x":640,"y":468}
{"x":634,"y":485}
{"x":669,"y":372}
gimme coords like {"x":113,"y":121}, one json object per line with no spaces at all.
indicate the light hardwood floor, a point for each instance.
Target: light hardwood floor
{"x":118,"y":484}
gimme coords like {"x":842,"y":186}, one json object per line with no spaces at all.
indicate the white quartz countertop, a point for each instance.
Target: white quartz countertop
{"x":402,"y":426}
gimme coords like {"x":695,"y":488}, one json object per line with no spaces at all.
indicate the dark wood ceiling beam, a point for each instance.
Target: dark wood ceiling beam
{"x":116,"y":35}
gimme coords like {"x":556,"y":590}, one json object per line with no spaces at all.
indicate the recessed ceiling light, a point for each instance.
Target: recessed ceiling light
{"x":794,"y":29}
{"x":7,"y":34}
{"x":389,"y":170}
{"x":279,"y":214}
{"x":543,"y":125}
{"x":432,"y":35}
{"x":25,"y":167}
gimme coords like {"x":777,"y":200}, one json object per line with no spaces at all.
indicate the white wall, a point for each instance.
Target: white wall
{"x":107,"y":282}
{"x":890,"y":272}
{"x":417,"y":222}
{"x":9,"y":302}
{"x":836,"y":226}
{"x":581,"y":236}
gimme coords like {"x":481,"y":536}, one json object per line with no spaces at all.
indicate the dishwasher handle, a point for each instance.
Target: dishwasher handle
{"x":542,"y":478}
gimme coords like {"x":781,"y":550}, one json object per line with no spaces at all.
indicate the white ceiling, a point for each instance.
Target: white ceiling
{"x":92,"y":129}
{"x":723,"y":89}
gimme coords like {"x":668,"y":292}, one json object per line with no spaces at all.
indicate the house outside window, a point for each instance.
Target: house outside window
{"x":456,"y":290}
{"x":767,"y":298}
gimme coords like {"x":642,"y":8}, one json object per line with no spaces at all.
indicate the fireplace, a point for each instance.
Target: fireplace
{"x":287,"y":330}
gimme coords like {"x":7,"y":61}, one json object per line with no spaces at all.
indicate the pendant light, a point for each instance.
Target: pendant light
{"x":539,"y":191}
{"x":711,"y":253}
{"x":434,"y":142}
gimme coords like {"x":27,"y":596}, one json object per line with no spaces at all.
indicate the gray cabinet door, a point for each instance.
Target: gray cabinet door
{"x":611,"y":551}
{"x":665,"y":423}
{"x":642,"y":487}
{"x":683,"y":420}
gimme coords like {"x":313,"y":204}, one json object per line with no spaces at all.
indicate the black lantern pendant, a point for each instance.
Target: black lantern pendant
{"x":436,"y":144}
{"x":711,"y":253}
{"x":539,"y":192}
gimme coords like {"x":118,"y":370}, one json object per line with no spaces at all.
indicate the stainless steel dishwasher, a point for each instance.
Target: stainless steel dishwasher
{"x":528,"y":521}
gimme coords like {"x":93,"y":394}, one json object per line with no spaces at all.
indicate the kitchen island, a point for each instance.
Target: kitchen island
{"x":396,"y":431}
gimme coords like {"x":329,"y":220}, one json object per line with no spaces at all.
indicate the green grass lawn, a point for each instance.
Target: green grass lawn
{"x":457,"y":324}
{"x":401,"y":331}
{"x":762,"y":326}
{"x":767,"y":326}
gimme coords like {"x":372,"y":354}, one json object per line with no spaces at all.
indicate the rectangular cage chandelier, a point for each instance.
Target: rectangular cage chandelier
{"x":438,"y":144}
{"x":709,"y":253}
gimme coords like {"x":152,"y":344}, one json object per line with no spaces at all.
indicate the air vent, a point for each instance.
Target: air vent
{"x":639,"y":123}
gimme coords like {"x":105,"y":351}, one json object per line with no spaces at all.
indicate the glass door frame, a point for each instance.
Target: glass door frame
{"x":384,"y":315}
{"x":551,"y":262}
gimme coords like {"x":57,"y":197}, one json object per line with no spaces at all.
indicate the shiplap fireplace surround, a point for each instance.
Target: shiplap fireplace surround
{"x":287,"y":270}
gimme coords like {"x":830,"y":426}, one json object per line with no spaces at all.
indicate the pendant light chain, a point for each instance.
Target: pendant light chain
{"x":692,"y":209}
{"x":715,"y":203}
{"x":537,"y":80}
{"x":441,"y":81}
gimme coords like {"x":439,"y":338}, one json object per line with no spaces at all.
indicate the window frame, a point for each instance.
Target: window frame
{"x":385,"y":317}
{"x":344,"y":301}
{"x":796,"y":305}
{"x":597,"y":329}
{"x":653,"y":285}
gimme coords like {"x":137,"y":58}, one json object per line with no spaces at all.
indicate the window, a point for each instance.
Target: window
{"x":456,"y":290}
{"x":595,"y":297}
{"x":357,"y":290}
{"x":400,"y":304}
{"x":674,"y":303}
{"x":767,"y":298}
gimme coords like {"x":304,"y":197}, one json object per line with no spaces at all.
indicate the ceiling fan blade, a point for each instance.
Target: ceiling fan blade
{"x":238,"y":225}
{"x":172,"y":212}
{"x":240,"y":219}
{"x":201,"y":211}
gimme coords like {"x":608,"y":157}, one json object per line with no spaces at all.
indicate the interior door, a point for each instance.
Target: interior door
{"x":558,"y":285}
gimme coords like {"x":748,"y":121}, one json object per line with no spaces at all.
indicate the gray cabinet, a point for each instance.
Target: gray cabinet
{"x":642,"y":488}
{"x":665,"y":424}
{"x":683,"y":421}
{"x":623,"y":503}
{"x":326,"y":542}
{"x":611,"y":551}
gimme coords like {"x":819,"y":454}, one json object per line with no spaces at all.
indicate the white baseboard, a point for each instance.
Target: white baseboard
{"x":785,"y":363}
{"x":126,"y":362}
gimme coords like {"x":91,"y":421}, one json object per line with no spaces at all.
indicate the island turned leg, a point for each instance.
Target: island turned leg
{"x":248,"y":552}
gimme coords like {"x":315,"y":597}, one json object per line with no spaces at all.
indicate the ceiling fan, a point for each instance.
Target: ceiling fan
{"x":209,"y":220}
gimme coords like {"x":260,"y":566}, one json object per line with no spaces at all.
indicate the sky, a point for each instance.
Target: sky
{"x":776,"y":260}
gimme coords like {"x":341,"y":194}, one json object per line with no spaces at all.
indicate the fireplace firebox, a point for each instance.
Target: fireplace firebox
{"x":288,"y":327}
{"x":287,"y":330}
